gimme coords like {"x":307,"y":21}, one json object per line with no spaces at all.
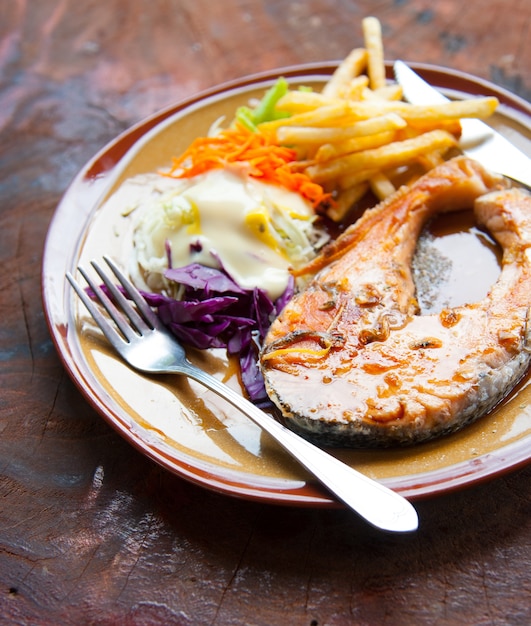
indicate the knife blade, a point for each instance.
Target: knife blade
{"x":478,"y":140}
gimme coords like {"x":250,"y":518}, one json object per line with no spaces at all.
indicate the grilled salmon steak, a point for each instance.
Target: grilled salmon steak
{"x":350,"y":361}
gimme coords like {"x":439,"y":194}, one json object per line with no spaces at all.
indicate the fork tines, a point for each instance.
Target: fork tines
{"x":116,"y":304}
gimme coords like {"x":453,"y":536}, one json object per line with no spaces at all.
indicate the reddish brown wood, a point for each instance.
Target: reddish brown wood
{"x":90,"y":531}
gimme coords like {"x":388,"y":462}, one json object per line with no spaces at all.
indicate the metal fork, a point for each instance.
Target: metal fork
{"x":144,"y":343}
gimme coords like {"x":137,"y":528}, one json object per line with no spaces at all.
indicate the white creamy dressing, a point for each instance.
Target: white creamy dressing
{"x":256,"y":230}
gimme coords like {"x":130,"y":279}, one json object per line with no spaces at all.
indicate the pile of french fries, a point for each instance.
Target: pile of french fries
{"x":358,"y":134}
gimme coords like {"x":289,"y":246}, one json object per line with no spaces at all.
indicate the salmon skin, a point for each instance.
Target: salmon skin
{"x":351,"y":362}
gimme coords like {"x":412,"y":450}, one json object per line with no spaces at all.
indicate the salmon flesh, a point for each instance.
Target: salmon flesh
{"x":350,"y":361}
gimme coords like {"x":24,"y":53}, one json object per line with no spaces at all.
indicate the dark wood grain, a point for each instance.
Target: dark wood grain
{"x":90,"y":531}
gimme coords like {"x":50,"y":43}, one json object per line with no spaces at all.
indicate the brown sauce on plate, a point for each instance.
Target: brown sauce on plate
{"x":455,"y":263}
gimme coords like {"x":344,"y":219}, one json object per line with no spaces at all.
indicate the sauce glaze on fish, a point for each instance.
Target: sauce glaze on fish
{"x":351,"y":362}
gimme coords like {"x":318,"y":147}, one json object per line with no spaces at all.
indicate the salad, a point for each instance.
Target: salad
{"x":213,"y":252}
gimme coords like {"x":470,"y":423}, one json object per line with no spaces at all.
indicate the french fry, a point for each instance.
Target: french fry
{"x":319,"y":135}
{"x":372,"y":33}
{"x":330,"y":151}
{"x":381,"y":186}
{"x":352,"y":66}
{"x":431,"y":159}
{"x":474,"y":107}
{"x":346,"y":200}
{"x":334,"y":113}
{"x":417,"y":127}
{"x":356,"y":88}
{"x":388,"y":92}
{"x":310,"y":102}
{"x":296,"y":102}
{"x":384,"y":157}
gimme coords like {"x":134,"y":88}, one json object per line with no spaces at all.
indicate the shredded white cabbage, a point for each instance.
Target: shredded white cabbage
{"x":258,"y":231}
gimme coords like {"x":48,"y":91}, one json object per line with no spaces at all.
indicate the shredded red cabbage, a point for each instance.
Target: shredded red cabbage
{"x":215,"y":312}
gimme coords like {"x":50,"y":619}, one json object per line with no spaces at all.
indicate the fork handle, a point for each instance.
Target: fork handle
{"x":380,"y":506}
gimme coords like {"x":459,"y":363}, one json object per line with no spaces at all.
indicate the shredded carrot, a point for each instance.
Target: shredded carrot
{"x":266,"y":160}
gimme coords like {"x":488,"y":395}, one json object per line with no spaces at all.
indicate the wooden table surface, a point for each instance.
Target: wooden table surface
{"x":91,"y":532}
